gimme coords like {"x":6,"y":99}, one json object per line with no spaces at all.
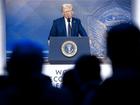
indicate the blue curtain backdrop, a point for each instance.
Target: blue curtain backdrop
{"x":32,"y":19}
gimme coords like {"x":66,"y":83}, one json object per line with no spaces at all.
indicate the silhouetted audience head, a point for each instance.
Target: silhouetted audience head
{"x":88,"y":68}
{"x":69,"y":79}
{"x":123,"y":49}
{"x":123,"y":44}
{"x":26,"y":58}
{"x":27,"y":83}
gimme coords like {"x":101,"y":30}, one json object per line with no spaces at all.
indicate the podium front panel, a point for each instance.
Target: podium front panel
{"x":56,"y":54}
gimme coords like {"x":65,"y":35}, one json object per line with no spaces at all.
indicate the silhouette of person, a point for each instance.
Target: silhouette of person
{"x":28,"y":84}
{"x":84,"y":79}
{"x":123,"y":49}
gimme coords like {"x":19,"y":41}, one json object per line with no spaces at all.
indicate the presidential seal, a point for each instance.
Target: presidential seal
{"x":69,"y":48}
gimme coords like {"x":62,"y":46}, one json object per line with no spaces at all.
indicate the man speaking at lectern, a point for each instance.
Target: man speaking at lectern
{"x":67,"y":25}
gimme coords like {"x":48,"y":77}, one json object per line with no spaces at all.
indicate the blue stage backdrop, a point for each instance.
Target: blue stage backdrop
{"x":32,"y":19}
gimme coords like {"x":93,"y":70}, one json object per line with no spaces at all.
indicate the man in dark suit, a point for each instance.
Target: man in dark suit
{"x":67,"y":25}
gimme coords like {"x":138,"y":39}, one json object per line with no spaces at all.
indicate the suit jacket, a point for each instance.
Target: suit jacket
{"x":59,"y":28}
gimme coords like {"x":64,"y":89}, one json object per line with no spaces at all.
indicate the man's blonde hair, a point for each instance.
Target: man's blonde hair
{"x":68,"y":5}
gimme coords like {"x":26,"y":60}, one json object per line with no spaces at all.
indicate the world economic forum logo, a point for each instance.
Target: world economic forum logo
{"x":69,"y":48}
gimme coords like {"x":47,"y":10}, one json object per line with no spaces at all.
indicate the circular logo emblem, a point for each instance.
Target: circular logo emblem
{"x":69,"y":48}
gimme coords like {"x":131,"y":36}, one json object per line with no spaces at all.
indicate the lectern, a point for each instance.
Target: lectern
{"x":66,"y":50}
